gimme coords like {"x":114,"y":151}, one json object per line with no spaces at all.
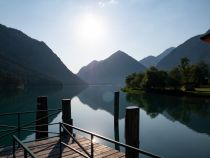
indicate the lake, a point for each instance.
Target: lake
{"x":170,"y":126}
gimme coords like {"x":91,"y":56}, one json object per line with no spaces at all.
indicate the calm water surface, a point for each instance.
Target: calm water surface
{"x":169,"y":126}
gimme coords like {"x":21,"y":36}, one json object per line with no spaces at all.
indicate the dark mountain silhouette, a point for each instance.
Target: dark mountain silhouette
{"x":152,"y":60}
{"x":28,"y":58}
{"x":112,"y":70}
{"x":194,"y":49}
{"x":16,"y":75}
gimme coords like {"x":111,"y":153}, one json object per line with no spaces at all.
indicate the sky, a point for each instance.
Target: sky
{"x":80,"y":31}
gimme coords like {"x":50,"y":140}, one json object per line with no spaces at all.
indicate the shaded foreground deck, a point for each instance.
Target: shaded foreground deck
{"x":51,"y":148}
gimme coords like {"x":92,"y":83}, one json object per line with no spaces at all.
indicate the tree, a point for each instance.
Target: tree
{"x":154,"y":79}
{"x":184,"y":74}
{"x":137,"y":80}
{"x":134,"y":80}
{"x":129,"y":80}
{"x":199,"y":74}
{"x":174,"y":78}
{"x":184,"y":68}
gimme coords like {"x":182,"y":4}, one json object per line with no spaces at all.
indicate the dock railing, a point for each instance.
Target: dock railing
{"x":92,"y":135}
{"x":9,"y":130}
{"x":65,"y":128}
{"x":26,"y":150}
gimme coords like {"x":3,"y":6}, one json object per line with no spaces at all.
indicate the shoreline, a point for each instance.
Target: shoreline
{"x":173,"y":92}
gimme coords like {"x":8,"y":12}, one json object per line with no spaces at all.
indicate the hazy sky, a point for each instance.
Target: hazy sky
{"x":79,"y":31}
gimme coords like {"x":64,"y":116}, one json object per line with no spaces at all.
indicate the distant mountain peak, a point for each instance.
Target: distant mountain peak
{"x":148,"y":61}
{"x":119,"y":53}
{"x":112,"y":70}
{"x":94,"y":62}
{"x":193,"y":48}
{"x":152,"y":60}
{"x":33,"y":56}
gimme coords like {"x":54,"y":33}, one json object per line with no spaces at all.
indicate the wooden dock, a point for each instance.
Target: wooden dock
{"x":68,"y":143}
{"x":50,"y":148}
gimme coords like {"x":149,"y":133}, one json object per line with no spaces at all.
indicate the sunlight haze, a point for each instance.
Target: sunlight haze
{"x":90,"y":28}
{"x":80,"y":31}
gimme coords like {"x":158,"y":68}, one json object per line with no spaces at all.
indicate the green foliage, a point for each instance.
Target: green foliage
{"x":186,"y":75}
{"x":174,"y":78}
{"x":134,"y":80}
{"x":153,"y":79}
{"x":184,"y":68}
{"x":199,"y":74}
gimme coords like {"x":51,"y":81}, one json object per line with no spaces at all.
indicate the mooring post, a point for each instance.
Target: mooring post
{"x":42,"y":118}
{"x":66,"y":114}
{"x":18,"y":127}
{"x":132,"y":130}
{"x":116,"y":117}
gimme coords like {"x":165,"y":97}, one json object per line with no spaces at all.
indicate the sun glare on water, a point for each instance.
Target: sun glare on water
{"x":91,"y":28}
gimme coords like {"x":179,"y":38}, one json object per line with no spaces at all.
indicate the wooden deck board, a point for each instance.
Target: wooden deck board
{"x":50,"y":148}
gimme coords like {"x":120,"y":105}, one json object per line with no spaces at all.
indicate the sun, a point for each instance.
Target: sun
{"x":91,"y":28}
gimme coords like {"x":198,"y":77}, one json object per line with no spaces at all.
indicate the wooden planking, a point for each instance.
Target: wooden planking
{"x":5,"y":152}
{"x":50,"y":148}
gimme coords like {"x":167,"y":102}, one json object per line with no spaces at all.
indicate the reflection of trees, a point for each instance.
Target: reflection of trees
{"x":193,"y":112}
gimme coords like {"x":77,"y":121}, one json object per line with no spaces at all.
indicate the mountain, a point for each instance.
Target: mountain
{"x":195,"y":49}
{"x":15,"y":75}
{"x":112,"y":70}
{"x":27,"y":56}
{"x":148,"y":61}
{"x":152,"y":60}
{"x":164,"y":54}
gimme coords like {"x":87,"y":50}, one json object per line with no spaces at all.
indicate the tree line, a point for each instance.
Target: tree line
{"x":183,"y":76}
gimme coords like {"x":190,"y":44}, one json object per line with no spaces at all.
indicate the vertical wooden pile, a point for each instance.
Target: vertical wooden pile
{"x":66,"y":114}
{"x":132,"y":131}
{"x":116,"y":117}
{"x":42,"y":118}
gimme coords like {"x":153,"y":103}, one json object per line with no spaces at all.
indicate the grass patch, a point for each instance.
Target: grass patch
{"x":202,"y":89}
{"x":199,"y":92}
{"x":132,"y":90}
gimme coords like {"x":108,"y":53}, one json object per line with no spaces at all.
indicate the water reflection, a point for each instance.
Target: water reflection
{"x":192,"y":112}
{"x":13,"y":100}
{"x":163,"y":118}
{"x":102,"y":97}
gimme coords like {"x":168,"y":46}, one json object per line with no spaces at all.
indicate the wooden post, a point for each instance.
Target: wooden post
{"x":42,"y":118}
{"x":66,"y":114}
{"x":116,"y":117}
{"x":132,"y":130}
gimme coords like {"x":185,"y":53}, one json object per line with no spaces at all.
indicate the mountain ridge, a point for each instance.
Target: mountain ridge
{"x":34,"y":55}
{"x":154,"y":60}
{"x":111,"y":70}
{"x":194,"y":49}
